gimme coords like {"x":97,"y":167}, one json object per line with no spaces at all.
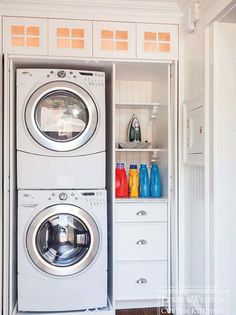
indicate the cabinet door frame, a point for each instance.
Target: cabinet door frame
{"x":23,"y":32}
{"x":113,"y":34}
{"x":157,"y":36}
{"x":82,"y":36}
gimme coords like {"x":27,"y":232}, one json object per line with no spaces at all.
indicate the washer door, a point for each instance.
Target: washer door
{"x":62,"y":240}
{"x":61,"y":116}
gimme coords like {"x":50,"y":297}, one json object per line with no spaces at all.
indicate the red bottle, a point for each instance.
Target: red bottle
{"x":121,"y":181}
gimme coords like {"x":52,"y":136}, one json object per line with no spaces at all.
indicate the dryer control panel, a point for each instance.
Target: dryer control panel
{"x":92,"y":78}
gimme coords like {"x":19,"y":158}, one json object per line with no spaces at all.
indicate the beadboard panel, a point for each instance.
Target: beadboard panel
{"x":194,"y":226}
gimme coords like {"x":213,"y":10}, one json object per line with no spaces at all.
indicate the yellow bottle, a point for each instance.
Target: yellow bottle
{"x":133,"y":181}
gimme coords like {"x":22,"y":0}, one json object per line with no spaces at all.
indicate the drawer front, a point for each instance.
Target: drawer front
{"x":141,"y":212}
{"x":70,"y":38}
{"x":141,"y":241}
{"x":157,"y":41}
{"x":25,"y":36}
{"x":139,"y":281}
{"x":114,"y":40}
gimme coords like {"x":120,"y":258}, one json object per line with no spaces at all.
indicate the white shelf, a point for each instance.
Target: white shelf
{"x":139,"y":199}
{"x":140,"y":150}
{"x":139,"y":104}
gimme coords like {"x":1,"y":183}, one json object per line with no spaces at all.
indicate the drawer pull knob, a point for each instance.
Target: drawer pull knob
{"x":141,"y":213}
{"x":141,"y":281}
{"x":141,"y":242}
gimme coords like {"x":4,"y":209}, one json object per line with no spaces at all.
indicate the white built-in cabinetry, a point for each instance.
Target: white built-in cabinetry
{"x":156,"y":41}
{"x":70,"y":38}
{"x":25,"y":36}
{"x":139,"y":269}
{"x":141,"y":250}
{"x":58,"y":37}
{"x":141,"y":225}
{"x":116,"y":40}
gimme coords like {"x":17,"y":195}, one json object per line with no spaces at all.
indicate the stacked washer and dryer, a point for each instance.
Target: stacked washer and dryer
{"x":62,"y":204}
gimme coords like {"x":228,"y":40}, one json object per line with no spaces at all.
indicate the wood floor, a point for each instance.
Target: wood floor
{"x":142,"y":311}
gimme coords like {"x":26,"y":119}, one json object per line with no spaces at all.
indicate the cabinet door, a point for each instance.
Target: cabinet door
{"x":114,"y":40}
{"x":195,"y":136}
{"x":25,"y":36}
{"x":156,"y":41}
{"x":70,"y":38}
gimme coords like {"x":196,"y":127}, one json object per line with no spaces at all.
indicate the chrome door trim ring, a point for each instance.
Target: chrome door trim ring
{"x":42,"y":217}
{"x":34,"y":130}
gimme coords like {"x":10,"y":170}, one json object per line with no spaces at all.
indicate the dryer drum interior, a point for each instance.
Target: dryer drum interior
{"x":62,"y":240}
{"x":61,"y":116}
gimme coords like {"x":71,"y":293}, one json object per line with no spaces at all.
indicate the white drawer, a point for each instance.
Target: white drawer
{"x":141,"y":280}
{"x":141,"y":241}
{"x":141,"y":212}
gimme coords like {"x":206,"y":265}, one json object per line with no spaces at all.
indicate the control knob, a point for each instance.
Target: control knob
{"x":63,"y":196}
{"x":61,"y":74}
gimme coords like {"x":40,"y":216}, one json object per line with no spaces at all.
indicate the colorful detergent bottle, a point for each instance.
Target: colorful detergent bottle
{"x":155,"y":181}
{"x":144,"y":190}
{"x":133,"y":181}
{"x":121,"y":181}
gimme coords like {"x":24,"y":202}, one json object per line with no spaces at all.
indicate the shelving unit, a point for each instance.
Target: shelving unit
{"x":142,"y":225}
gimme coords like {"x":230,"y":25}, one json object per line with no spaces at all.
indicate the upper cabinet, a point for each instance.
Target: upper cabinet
{"x":157,"y":41}
{"x":25,"y":36}
{"x":70,"y":38}
{"x":79,"y":38}
{"x":114,"y":40}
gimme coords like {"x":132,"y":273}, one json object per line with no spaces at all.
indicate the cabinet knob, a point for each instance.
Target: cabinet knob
{"x":141,"y":242}
{"x":142,"y":281}
{"x":141,"y":212}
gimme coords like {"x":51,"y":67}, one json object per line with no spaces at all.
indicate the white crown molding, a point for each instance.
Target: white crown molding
{"x":122,"y":10}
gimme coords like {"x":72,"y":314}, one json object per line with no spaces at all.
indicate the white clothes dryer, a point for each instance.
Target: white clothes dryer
{"x":62,"y":250}
{"x":60,"y":129}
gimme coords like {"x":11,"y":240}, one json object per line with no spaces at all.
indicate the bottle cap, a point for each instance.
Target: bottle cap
{"x":133,"y":166}
{"x":120,"y":165}
{"x":143,"y":165}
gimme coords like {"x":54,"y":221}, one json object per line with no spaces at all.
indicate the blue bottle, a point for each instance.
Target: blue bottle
{"x":144,"y":188}
{"x":155,"y":181}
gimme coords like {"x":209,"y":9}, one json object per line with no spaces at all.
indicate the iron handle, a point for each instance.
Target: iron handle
{"x":141,"y":213}
{"x":141,"y":281}
{"x":141,"y":242}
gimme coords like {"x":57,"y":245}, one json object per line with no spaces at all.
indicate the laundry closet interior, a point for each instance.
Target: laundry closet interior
{"x":71,"y":88}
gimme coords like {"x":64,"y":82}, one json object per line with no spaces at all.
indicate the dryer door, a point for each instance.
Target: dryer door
{"x":62,"y":240}
{"x":61,"y":116}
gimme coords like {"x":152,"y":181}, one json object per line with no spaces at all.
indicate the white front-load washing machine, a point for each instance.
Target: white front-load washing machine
{"x":62,"y":250}
{"x":60,"y":129}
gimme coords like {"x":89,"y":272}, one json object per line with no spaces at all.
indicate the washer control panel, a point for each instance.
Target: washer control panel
{"x":94,"y":198}
{"x":28,"y":200}
{"x":33,"y":198}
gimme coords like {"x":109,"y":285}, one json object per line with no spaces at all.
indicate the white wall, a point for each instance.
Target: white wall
{"x":223,"y":105}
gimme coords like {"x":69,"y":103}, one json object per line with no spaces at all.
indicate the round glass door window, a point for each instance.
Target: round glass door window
{"x":61,"y":116}
{"x":63,"y":243}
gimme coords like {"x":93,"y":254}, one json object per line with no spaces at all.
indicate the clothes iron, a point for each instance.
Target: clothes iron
{"x":134,"y":130}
